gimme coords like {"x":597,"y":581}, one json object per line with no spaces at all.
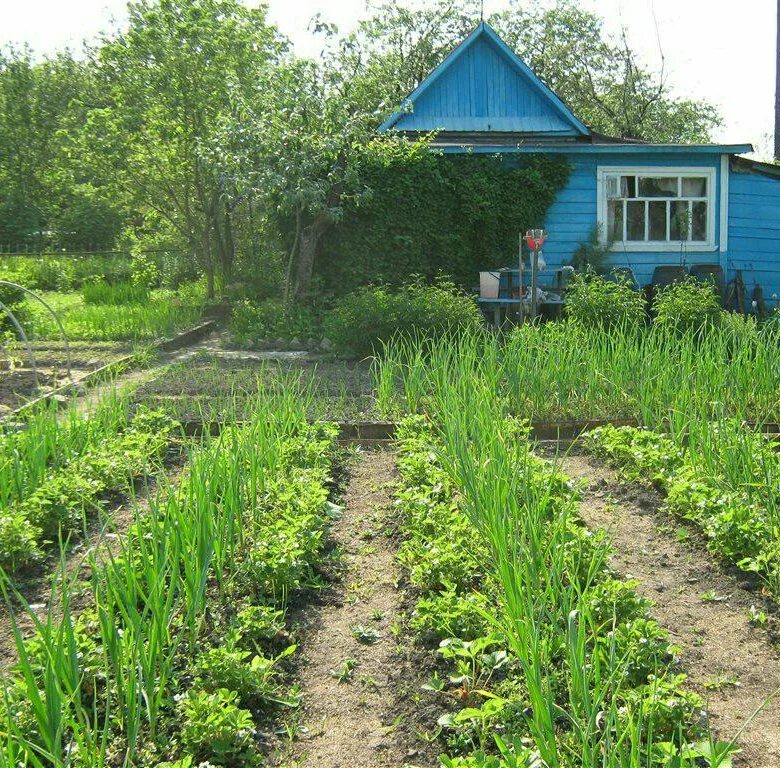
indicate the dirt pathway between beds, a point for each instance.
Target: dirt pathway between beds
{"x":347,"y":723}
{"x":729,"y":663}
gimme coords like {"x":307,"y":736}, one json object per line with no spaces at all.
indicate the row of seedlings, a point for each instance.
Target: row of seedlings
{"x":547,"y":659}
{"x":721,"y":476}
{"x":178,"y":657}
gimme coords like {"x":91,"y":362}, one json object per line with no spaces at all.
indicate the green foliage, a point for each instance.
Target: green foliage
{"x":688,"y":306}
{"x":258,"y":626}
{"x":170,"y":617}
{"x":361,"y":321}
{"x":63,"y":273}
{"x":448,"y":613}
{"x":252,"y":676}
{"x":58,"y":504}
{"x":214,"y":727}
{"x":723,"y":477}
{"x":589,"y":645}
{"x":15,"y":301}
{"x":125,"y":317}
{"x":252,"y":321}
{"x":114,"y":294}
{"x":146,"y":273}
{"x":590,"y":255}
{"x":431,"y":215}
{"x":595,"y":301}
{"x":47,"y":194}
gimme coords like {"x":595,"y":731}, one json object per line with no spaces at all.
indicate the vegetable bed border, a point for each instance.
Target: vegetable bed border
{"x":182,"y":339}
{"x":375,"y":431}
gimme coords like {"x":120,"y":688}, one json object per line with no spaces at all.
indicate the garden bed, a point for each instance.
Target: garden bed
{"x":17,"y":380}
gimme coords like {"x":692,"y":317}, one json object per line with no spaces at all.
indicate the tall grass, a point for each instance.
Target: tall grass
{"x":113,"y":294}
{"x":560,"y":371}
{"x":115,"y":313}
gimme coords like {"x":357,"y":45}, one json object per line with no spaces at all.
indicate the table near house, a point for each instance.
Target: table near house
{"x":499,"y":293}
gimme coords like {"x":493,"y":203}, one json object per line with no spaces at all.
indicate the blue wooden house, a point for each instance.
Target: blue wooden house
{"x":657,"y":204}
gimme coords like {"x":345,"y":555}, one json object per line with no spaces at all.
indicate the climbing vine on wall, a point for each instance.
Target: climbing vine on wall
{"x":430,"y":214}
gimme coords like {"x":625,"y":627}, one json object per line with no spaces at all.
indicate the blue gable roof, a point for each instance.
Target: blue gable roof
{"x":484,"y":86}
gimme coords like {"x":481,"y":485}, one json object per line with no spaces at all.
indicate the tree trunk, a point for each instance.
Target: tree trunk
{"x":288,"y":275}
{"x":307,"y":253}
{"x":223,"y":236}
{"x":229,"y":246}
{"x":208,"y":263}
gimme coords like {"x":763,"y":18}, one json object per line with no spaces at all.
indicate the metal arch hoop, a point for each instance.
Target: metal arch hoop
{"x":23,"y":335}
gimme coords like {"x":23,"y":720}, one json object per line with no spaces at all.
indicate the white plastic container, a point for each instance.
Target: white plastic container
{"x":488,"y":284}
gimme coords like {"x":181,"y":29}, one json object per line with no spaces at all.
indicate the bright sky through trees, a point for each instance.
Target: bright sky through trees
{"x":713,"y":50}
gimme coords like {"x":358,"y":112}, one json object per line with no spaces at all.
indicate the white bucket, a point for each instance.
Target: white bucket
{"x":488,"y":284}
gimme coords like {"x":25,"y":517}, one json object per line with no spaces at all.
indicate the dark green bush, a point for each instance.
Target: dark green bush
{"x":253,"y":320}
{"x":429,"y":214}
{"x":690,"y":305}
{"x":15,"y":302}
{"x":360,"y":321}
{"x":596,"y":301}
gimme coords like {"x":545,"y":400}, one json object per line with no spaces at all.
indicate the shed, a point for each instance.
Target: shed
{"x":654,"y":204}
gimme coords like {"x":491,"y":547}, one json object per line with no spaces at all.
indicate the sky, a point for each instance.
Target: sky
{"x":717,"y":50}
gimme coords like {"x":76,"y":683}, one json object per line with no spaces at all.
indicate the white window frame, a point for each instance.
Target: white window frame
{"x":655,"y":246}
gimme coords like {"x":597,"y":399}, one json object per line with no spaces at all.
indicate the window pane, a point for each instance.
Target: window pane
{"x":635,"y":220}
{"x":658,"y":187}
{"x":695,"y":187}
{"x":628,"y":186}
{"x":657,"y":212}
{"x":615,"y":220}
{"x":699,"y":221}
{"x":613,"y":187}
{"x":678,"y":225}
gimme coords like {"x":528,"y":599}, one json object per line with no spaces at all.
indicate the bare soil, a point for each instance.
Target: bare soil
{"x":17,"y":380}
{"x":359,"y":722}
{"x":704,"y":609}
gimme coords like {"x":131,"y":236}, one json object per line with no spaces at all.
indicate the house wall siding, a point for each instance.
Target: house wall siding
{"x":754,"y":232}
{"x":574,"y":213}
{"x":753,"y":243}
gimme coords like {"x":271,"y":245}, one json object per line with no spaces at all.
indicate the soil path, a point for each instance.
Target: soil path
{"x":729,"y":663}
{"x":343,"y":720}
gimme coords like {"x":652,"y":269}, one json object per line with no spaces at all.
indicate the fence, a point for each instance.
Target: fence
{"x":12,"y":251}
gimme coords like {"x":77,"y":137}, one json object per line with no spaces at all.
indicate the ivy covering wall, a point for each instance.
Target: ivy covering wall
{"x":429,"y":214}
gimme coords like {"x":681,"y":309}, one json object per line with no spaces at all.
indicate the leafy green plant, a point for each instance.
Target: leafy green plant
{"x":364,"y":634}
{"x":595,"y":301}
{"x":214,"y":727}
{"x":361,"y":321}
{"x":591,"y":254}
{"x":343,"y":673}
{"x":252,"y":321}
{"x":688,"y":306}
{"x":252,"y":677}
